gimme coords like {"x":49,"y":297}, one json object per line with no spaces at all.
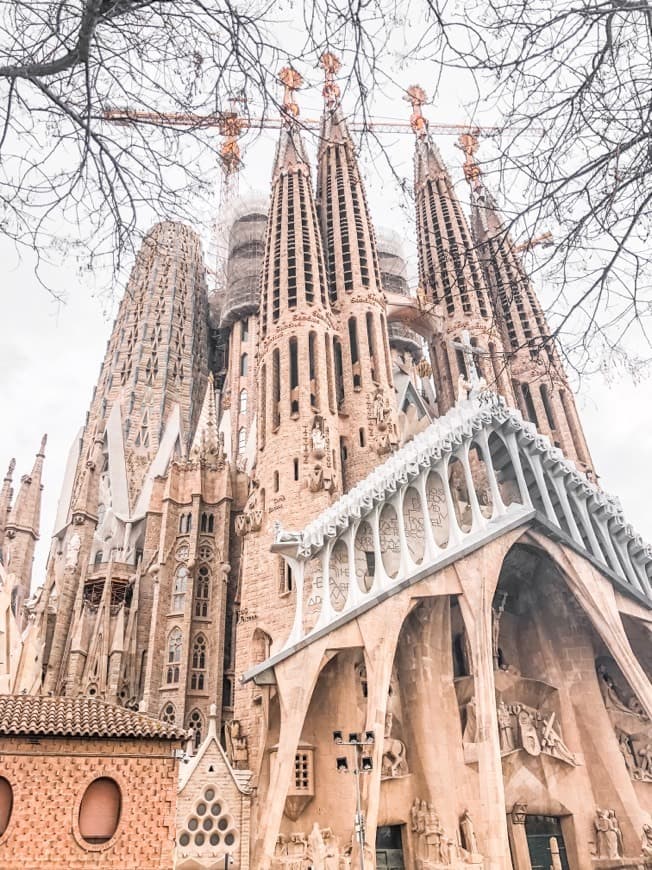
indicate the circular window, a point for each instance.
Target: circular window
{"x":199,"y":839}
{"x":209,"y":794}
{"x":6,"y":803}
{"x":184,"y":839}
{"x":193,"y":824}
{"x":207,"y":824}
{"x":216,"y":809}
{"x":99,"y":810}
{"x":223,"y":824}
{"x":201,"y":809}
{"x":214,"y":838}
{"x":229,"y":839}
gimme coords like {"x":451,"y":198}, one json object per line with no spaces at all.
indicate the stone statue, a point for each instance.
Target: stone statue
{"x":552,"y":743}
{"x":625,"y":747}
{"x":236,"y":745}
{"x":608,"y":834}
{"x":433,"y":835}
{"x":469,"y":840}
{"x":318,"y":438}
{"x":381,"y":410}
{"x":332,"y":850}
{"x":612,"y":698}
{"x":317,"y":848}
{"x":463,"y":387}
{"x":394,"y":761}
{"x":505,"y":728}
{"x":72,"y":552}
{"x":646,"y":841}
{"x":645,"y":758}
{"x":496,"y":615}
{"x":316,"y":478}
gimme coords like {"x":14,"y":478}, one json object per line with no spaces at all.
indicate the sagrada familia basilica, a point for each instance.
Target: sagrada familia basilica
{"x":333,"y":583}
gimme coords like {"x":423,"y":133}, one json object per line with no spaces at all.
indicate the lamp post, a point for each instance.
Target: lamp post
{"x":361,"y":764}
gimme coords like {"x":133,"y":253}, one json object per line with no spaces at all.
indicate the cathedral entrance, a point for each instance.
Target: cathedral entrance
{"x":539,"y":831}
{"x":389,"y":848}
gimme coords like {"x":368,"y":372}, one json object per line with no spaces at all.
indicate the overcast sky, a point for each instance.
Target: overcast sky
{"x":51,"y":352}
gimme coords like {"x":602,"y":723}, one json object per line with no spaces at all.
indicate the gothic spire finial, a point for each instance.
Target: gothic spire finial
{"x":468,"y":143}
{"x":416,"y":96}
{"x":331,"y":91}
{"x":291,"y":81}
{"x":44,"y":441}
{"x":10,"y":470}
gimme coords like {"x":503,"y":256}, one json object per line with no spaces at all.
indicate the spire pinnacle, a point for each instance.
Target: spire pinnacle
{"x":10,"y":470}
{"x":291,"y":81}
{"x":331,"y":91}
{"x":469,"y":144}
{"x":416,"y":96}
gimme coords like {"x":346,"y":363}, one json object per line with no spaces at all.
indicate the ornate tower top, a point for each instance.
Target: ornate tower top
{"x":331,"y":91}
{"x":291,"y":81}
{"x":416,"y":96}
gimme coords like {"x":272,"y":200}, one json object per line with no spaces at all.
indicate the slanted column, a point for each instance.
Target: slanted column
{"x":478,"y":575}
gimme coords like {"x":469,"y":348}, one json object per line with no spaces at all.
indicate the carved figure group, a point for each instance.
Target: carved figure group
{"x":613,"y":699}
{"x":432,"y":847}
{"x":523,"y":727}
{"x":251,"y":518}
{"x":319,"y":850}
{"x":609,"y":837}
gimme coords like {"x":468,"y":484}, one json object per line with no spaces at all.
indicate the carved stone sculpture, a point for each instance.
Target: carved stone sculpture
{"x":251,"y":518}
{"x":505,"y":728}
{"x":646,"y":841}
{"x":467,"y":830}
{"x":608,"y":834}
{"x":72,"y":552}
{"x":394,"y":754}
{"x":236,"y":745}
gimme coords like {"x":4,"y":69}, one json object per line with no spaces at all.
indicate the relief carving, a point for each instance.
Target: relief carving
{"x":630,"y":722}
{"x":251,"y":518}
{"x":236,"y":745}
{"x":609,"y":837}
{"x":319,"y":850}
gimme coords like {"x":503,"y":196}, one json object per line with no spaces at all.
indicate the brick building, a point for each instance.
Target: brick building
{"x":85,"y":784}
{"x":322,"y":503}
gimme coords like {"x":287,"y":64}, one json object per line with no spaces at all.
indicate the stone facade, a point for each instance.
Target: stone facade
{"x":331,"y":506}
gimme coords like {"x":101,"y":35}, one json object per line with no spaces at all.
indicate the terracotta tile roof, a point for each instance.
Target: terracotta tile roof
{"x":78,"y":717}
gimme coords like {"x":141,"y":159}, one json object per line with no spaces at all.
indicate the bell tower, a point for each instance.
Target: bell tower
{"x":539,"y":382}
{"x":450,"y":274}
{"x":362,"y":362}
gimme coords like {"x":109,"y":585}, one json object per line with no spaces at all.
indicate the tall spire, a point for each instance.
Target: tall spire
{"x":6,"y":494}
{"x":450,"y":274}
{"x":538,"y":379}
{"x":362,"y":357}
{"x":22,"y":529}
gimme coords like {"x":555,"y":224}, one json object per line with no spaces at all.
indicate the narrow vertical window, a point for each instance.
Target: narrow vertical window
{"x":243,"y":401}
{"x":372,"y":345}
{"x":314,"y":374}
{"x":545,"y":398}
{"x":179,"y":591}
{"x":295,"y":468}
{"x":262,"y":409}
{"x":276,"y":481}
{"x":529,"y":404}
{"x":242,"y":440}
{"x":244,"y":364}
{"x":294,"y":376}
{"x":244,"y":330}
{"x":329,"y":374}
{"x":385,"y":341}
{"x":198,"y":663}
{"x":339,"y":373}
{"x":355,"y":354}
{"x":276,"y":389}
{"x":174,"y":656}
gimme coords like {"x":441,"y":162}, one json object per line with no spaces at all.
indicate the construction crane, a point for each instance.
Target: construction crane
{"x":233,"y":124}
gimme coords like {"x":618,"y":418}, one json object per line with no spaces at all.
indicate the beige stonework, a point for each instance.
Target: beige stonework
{"x":317,"y":504}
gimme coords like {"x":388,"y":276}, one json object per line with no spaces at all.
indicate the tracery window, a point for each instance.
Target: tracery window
{"x":207,"y":523}
{"x":202,"y":592}
{"x":198,"y":673}
{"x":195,"y":723}
{"x":179,"y":591}
{"x":168,"y":714}
{"x":174,"y":656}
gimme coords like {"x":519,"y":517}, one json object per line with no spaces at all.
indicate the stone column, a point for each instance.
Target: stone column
{"x":478,"y":574}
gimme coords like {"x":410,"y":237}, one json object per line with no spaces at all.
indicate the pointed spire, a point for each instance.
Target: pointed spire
{"x":290,"y":152}
{"x":6,"y":493}
{"x":26,"y":512}
{"x":351,"y":255}
{"x":207,"y":443}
